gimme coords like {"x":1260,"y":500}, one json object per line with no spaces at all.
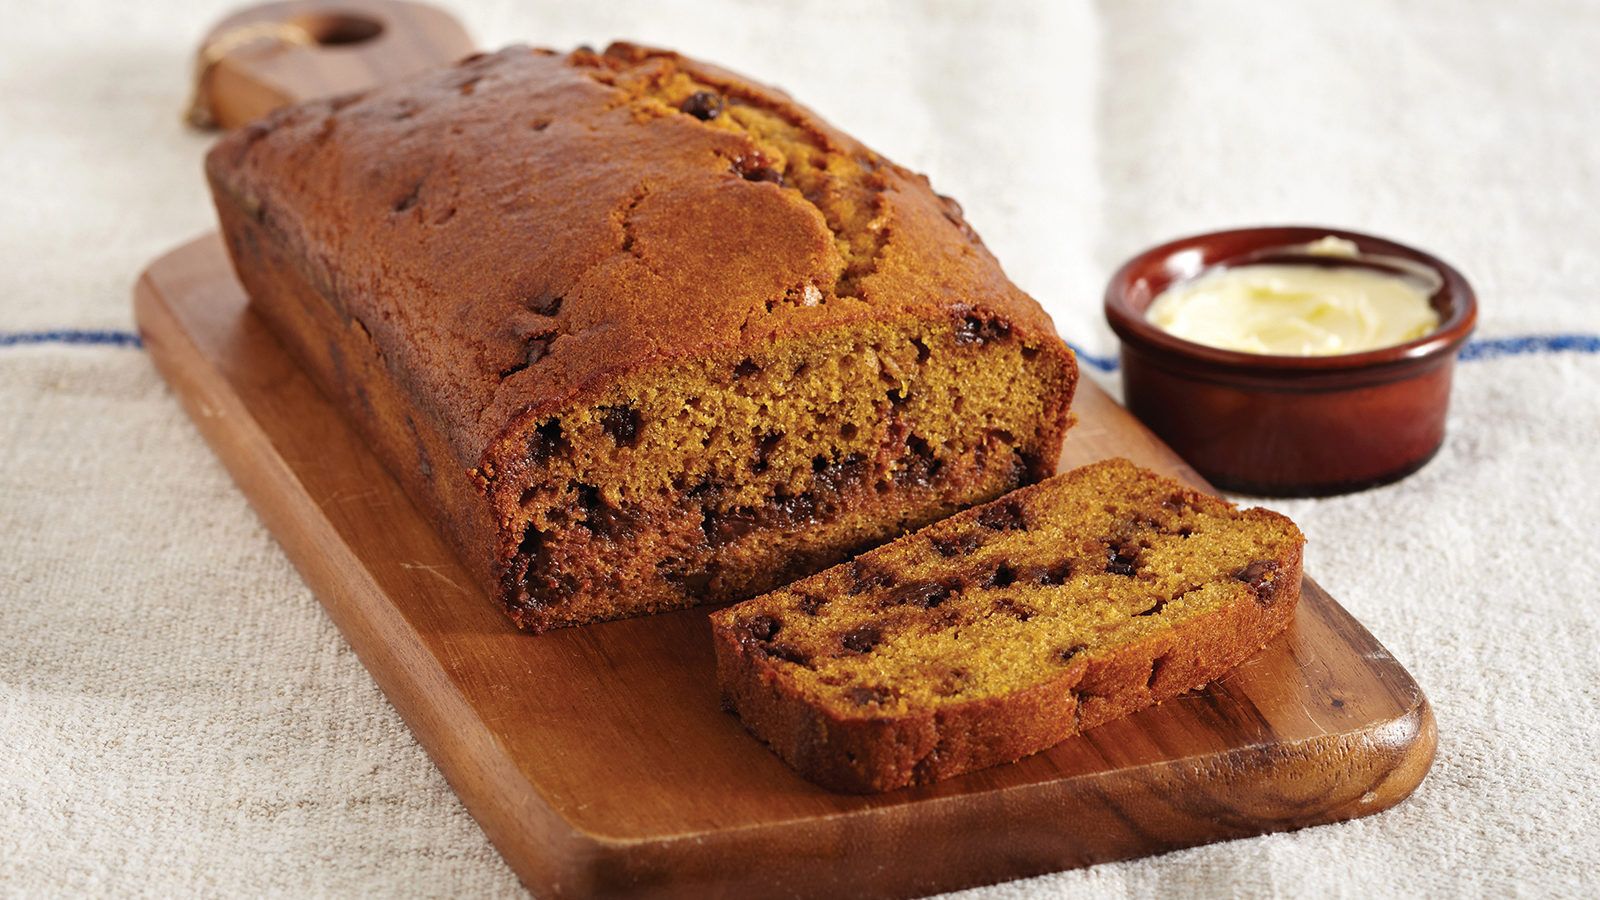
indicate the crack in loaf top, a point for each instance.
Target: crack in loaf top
{"x":519,"y":230}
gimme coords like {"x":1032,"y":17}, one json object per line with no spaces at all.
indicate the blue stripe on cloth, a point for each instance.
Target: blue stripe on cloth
{"x":1487,"y":348}
{"x":1494,"y":348}
{"x":1103,"y":363}
{"x":100,"y":338}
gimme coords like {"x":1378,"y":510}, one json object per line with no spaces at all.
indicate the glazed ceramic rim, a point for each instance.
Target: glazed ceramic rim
{"x":1131,"y":326}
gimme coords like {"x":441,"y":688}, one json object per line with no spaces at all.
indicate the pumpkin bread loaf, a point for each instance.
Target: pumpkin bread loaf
{"x":635,"y":331}
{"x":1007,"y":628}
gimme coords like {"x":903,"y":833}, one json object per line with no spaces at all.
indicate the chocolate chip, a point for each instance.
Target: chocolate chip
{"x":865,"y":576}
{"x":1177,"y":501}
{"x":780,"y":511}
{"x":754,"y":166}
{"x":926,"y":594}
{"x":1122,"y":558}
{"x":1257,"y":571}
{"x":762,"y":627}
{"x":919,"y":467}
{"x":767,"y":174}
{"x":862,"y":638}
{"x":973,"y":328}
{"x":810,"y":604}
{"x":1006,"y":516}
{"x":601,"y":519}
{"x":1261,"y":575}
{"x":1154,"y":610}
{"x":728,"y":526}
{"x":622,"y":423}
{"x":1002,"y":577}
{"x":546,"y":441}
{"x":544,"y":586}
{"x":1068,"y":654}
{"x":862,"y":695}
{"x":543,"y":582}
{"x":962,"y":543}
{"x":703,"y":105}
{"x":1057,"y":574}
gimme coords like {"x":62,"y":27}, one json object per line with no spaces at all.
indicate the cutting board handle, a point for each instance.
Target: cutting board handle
{"x":266,"y":56}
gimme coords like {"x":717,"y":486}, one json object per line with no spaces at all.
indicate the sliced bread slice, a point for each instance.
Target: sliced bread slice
{"x":1004,"y":629}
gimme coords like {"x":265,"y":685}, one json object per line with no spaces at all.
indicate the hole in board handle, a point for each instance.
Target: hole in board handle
{"x":339,"y":29}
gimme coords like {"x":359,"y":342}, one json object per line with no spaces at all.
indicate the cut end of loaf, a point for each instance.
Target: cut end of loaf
{"x":717,"y":478}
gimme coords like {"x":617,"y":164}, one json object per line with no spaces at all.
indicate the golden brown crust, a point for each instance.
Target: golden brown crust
{"x":459,"y":258}
{"x":444,"y":218}
{"x":847,"y":748}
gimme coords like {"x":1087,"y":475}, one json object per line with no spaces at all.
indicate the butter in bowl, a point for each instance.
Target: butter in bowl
{"x":1291,"y":361}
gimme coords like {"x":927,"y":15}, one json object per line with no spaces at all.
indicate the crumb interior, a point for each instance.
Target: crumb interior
{"x":988,"y":604}
{"x":721,"y":478}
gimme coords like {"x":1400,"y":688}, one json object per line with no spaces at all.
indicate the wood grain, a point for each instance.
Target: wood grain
{"x":598,"y":759}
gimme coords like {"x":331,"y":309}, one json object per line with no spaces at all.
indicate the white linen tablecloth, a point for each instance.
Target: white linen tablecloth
{"x":178,"y":716}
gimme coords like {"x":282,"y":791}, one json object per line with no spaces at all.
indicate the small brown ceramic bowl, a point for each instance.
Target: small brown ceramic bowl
{"x":1286,"y":425}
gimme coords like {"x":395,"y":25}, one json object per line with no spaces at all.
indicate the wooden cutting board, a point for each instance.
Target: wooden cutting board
{"x":599,"y":761}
